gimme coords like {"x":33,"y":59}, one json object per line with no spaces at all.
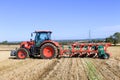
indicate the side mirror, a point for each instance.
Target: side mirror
{"x":31,"y":34}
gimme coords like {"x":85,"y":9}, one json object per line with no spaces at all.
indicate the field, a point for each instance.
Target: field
{"x":59,"y":69}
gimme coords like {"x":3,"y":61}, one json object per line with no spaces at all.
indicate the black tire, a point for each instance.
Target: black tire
{"x":46,"y":48}
{"x":22,"y":53}
{"x":108,"y":56}
{"x":31,"y":56}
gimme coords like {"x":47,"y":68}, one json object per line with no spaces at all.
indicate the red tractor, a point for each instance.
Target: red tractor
{"x":44,"y":47}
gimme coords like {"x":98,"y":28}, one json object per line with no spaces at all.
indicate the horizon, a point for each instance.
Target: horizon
{"x":60,"y":40}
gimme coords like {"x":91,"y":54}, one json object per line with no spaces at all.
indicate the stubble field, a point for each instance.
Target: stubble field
{"x":59,"y":69}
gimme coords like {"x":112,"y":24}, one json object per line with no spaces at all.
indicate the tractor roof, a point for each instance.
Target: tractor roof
{"x":43,"y":31}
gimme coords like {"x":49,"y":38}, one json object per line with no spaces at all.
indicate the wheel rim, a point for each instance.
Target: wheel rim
{"x":22,"y":54}
{"x":48,"y":52}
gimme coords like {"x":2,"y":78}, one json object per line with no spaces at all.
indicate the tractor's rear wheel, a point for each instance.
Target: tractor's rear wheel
{"x":48,"y":51}
{"x":22,"y":53}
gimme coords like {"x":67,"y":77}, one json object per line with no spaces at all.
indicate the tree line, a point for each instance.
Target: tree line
{"x":9,"y":43}
{"x":114,"y":39}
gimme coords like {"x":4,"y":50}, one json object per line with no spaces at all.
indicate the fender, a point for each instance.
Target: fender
{"x":50,"y":41}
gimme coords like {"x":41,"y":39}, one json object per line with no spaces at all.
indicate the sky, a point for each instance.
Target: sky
{"x":67,"y":19}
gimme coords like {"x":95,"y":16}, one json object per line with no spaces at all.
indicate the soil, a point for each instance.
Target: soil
{"x":59,"y":69}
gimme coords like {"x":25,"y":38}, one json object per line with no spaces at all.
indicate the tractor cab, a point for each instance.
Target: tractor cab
{"x":41,"y":36}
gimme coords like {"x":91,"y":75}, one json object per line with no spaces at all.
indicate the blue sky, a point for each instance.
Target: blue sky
{"x":68,"y":19}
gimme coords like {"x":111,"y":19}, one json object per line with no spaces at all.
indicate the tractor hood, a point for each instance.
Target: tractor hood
{"x":27,"y":44}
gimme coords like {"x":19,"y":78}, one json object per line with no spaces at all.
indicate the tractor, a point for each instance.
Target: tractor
{"x":42,"y":46}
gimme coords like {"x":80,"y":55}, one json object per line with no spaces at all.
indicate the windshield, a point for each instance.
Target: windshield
{"x":42,"y":37}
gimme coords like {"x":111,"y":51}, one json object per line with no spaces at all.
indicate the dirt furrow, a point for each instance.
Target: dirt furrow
{"x":81,"y":69}
{"x":67,"y":69}
{"x":114,"y":66}
{"x":32,"y":71}
{"x":8,"y":65}
{"x":104,"y":69}
{"x":77,"y":70}
{"x":91,"y":70}
{"x":51,"y":73}
{"x":75,"y":75}
{"x":48,"y":69}
{"x":60,"y":71}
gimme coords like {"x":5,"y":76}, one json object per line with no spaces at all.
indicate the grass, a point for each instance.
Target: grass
{"x":91,"y":71}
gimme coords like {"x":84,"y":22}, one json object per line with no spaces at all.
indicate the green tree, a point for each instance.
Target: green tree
{"x":110,"y":39}
{"x":116,"y":37}
{"x":5,"y":42}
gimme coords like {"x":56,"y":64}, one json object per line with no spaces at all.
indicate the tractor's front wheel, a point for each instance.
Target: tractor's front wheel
{"x":22,"y":53}
{"x":48,"y":51}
